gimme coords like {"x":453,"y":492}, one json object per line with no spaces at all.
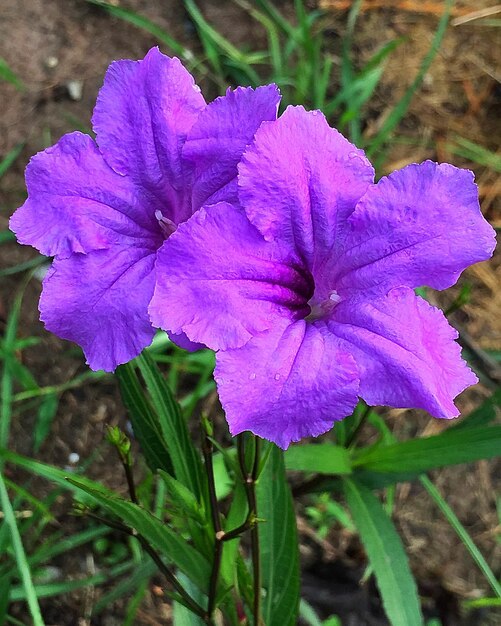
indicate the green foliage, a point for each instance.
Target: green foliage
{"x":160,"y":536}
{"x":321,"y":458}
{"x":386,"y":555}
{"x":174,"y":514}
{"x":279,"y":545}
{"x":7,"y":74}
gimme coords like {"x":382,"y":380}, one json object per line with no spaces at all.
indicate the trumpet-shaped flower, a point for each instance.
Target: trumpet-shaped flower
{"x":104,"y":208}
{"x":306,"y":288}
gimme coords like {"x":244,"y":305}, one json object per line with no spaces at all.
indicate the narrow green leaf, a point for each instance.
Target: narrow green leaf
{"x":8,"y":75}
{"x":46,"y":414}
{"x":183,"y":616}
{"x":53,"y":474}
{"x":20,"y":555}
{"x":483,"y":415}
{"x":236,"y":517}
{"x":145,"y":24}
{"x":462,"y":533}
{"x":11,"y":156}
{"x":169,"y":543}
{"x":419,"y":455}
{"x":49,"y":590}
{"x":181,"y":500}
{"x":323,"y":458}
{"x":6,"y":236}
{"x":142,"y":572}
{"x":6,"y":386}
{"x":185,"y":459}
{"x":401,"y":107}
{"x":144,"y":420}
{"x":386,"y":555}
{"x":279,"y":544}
{"x":5,"y":586}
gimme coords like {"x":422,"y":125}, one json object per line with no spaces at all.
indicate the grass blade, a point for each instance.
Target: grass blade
{"x":10,"y":157}
{"x":400,"y":109}
{"x":8,"y":75}
{"x":144,"y":23}
{"x":21,"y":560}
{"x":463,"y":534}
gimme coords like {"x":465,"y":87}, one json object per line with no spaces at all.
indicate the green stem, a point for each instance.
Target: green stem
{"x":250,"y":479}
{"x":207,"y":450}
{"x":188,"y":600}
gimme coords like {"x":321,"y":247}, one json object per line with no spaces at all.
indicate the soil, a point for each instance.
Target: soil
{"x":60,"y":48}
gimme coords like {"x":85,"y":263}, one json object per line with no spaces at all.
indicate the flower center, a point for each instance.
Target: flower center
{"x":320,"y":309}
{"x":167,"y":226}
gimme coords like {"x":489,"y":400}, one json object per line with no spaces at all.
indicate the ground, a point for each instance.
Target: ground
{"x":60,"y":49}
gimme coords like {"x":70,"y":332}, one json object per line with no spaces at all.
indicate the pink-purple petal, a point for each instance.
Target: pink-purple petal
{"x":421,"y":225}
{"x":143,"y":114}
{"x":221,"y":283}
{"x":405,"y":351}
{"x":99,"y":301}
{"x":291,"y":382}
{"x":77,"y":203}
{"x":218,"y":138}
{"x":300,"y":180}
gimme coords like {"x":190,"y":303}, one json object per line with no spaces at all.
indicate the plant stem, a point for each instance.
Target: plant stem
{"x":187,"y":599}
{"x":190,"y":603}
{"x":351,"y":439}
{"x":250,"y":479}
{"x":207,"y":449}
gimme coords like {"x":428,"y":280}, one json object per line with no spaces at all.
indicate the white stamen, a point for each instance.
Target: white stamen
{"x":167,"y":225}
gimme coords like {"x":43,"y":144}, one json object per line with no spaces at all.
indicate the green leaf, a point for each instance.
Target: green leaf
{"x":53,"y":474}
{"x":482,"y":415}
{"x":236,"y":517}
{"x":323,"y":458}
{"x":10,"y":157}
{"x":46,"y":414}
{"x":167,"y":542}
{"x":144,"y":420}
{"x":386,"y":555}
{"x":183,"y":616}
{"x":172,"y":425}
{"x":7,"y":74}
{"x":48,"y":590}
{"x":419,"y":455}
{"x":142,"y":572}
{"x":279,"y":543}
{"x":181,"y":500}
{"x":147,"y":25}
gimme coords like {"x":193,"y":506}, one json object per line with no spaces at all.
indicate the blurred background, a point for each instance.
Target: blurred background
{"x":400,"y":80}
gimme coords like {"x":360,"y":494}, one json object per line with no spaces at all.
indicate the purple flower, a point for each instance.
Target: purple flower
{"x":104,"y":209}
{"x":306,"y":289}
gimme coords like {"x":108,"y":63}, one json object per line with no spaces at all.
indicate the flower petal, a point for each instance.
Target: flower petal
{"x":220,"y":282}
{"x":419,"y":226}
{"x":143,"y":114}
{"x":77,"y":203}
{"x":182,"y":341}
{"x":405,"y":351}
{"x":300,"y":180}
{"x":220,"y":135}
{"x":291,"y":382}
{"x":100,"y":300}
